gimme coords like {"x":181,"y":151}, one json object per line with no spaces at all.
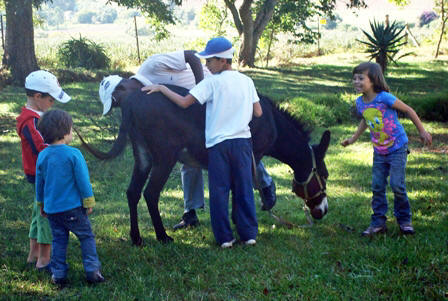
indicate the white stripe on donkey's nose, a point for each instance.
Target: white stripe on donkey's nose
{"x":323,"y":207}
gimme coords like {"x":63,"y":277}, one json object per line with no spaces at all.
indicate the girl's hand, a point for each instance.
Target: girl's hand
{"x":346,"y":142}
{"x":89,"y":210}
{"x":152,"y":88}
{"x":426,"y":138}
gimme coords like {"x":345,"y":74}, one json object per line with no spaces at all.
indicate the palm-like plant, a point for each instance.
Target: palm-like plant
{"x":385,"y":42}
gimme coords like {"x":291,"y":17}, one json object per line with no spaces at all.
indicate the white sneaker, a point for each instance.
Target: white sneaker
{"x":228,"y":244}
{"x":250,"y":242}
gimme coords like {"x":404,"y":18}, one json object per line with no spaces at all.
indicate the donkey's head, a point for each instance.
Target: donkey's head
{"x":311,"y":185}
{"x":114,"y":89}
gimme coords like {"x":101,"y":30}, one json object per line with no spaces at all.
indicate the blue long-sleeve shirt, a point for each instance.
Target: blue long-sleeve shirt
{"x":62,"y":179}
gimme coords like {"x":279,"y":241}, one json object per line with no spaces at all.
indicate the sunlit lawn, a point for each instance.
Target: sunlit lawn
{"x":328,"y":261}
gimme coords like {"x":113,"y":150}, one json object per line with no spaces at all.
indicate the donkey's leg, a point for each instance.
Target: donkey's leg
{"x":157,"y":179}
{"x":142,"y":166}
{"x":133,"y":193}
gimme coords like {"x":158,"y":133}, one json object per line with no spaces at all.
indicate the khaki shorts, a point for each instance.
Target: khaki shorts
{"x":40,"y":227}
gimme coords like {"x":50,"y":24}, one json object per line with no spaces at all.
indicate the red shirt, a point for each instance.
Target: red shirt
{"x":31,"y":140}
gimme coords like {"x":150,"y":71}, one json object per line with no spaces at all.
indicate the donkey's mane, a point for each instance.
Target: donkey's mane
{"x":299,"y":125}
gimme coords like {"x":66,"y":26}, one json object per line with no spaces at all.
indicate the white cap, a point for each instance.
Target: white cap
{"x":107,"y":87}
{"x":45,"y":82}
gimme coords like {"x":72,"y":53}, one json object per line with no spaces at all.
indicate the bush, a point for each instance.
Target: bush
{"x":427,"y":17}
{"x":333,"y":22}
{"x":433,"y":107}
{"x":86,"y":17}
{"x":322,"y":109}
{"x":53,"y":16}
{"x":82,"y":52}
{"x":107,"y":16}
{"x":83,"y":75}
{"x":5,"y":77}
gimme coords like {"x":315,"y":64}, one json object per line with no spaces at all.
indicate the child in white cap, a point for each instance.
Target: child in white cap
{"x":42,"y":88}
{"x":231,"y":102}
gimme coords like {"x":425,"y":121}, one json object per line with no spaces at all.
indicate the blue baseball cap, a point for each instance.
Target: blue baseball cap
{"x":219,"y":47}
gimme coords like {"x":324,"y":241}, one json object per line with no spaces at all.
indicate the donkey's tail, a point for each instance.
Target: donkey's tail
{"x":117,"y":148}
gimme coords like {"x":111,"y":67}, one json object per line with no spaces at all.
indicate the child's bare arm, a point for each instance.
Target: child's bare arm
{"x":425,"y":137}
{"x":361,"y":128}
{"x":258,"y":111}
{"x":181,"y":101}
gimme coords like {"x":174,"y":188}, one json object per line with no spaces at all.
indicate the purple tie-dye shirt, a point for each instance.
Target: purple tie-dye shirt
{"x":386,"y":132}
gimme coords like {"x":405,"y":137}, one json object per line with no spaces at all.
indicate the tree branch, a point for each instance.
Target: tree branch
{"x":236,"y":17}
{"x":264,"y":16}
{"x":246,"y":12}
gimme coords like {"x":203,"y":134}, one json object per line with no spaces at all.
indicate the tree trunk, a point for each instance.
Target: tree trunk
{"x":19,"y":49}
{"x":246,"y":56}
{"x":271,"y":38}
{"x":249,"y":28}
{"x":444,"y":19}
{"x":382,"y":61}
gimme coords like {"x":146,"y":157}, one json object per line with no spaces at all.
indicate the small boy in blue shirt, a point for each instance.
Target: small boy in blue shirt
{"x":65,"y":196}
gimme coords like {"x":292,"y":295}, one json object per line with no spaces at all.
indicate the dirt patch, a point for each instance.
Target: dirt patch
{"x":7,"y":124}
{"x":439,"y":144}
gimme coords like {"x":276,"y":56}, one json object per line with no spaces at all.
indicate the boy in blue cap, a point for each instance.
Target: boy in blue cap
{"x":227,"y":138}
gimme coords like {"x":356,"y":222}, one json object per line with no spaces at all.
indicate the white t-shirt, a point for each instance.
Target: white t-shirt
{"x":167,"y":68}
{"x":230,"y":96}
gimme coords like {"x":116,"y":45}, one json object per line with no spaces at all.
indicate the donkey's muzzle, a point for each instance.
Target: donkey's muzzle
{"x":318,"y":212}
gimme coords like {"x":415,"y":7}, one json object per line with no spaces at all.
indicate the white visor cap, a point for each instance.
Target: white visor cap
{"x":107,"y":87}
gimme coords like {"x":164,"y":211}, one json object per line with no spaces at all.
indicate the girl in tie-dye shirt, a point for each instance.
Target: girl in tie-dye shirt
{"x":390,"y":143}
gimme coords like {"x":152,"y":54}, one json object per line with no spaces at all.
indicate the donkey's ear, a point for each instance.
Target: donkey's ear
{"x":324,"y":142}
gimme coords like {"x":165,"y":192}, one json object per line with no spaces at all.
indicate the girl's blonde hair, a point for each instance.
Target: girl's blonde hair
{"x":375,"y":75}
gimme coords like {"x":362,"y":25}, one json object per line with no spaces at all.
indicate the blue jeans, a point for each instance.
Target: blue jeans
{"x":264,"y":179}
{"x":193,"y":185}
{"x":229,"y":168}
{"x":76,"y":221}
{"x":394,"y":166}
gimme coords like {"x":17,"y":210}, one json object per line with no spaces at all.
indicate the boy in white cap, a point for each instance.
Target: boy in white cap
{"x":231,"y":101}
{"x":42,"y":89}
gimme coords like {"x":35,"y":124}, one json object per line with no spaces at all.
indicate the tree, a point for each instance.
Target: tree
{"x":214,"y":17}
{"x":159,"y":13}
{"x":19,"y":54}
{"x":441,"y":7}
{"x":251,"y":18}
{"x":384,"y":42}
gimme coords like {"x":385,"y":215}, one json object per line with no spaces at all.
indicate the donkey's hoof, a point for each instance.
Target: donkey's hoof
{"x":166,"y":239}
{"x":138,"y":242}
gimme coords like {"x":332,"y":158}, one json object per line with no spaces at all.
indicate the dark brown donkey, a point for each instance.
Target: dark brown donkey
{"x":162,"y":134}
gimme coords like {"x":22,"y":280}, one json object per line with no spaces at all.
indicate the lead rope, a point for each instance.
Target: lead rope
{"x":282,"y":221}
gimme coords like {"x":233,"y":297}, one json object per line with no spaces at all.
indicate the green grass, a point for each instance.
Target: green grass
{"x":329,"y":261}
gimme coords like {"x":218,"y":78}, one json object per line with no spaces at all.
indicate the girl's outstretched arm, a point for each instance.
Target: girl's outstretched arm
{"x":425,"y":137}
{"x":361,"y":128}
